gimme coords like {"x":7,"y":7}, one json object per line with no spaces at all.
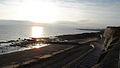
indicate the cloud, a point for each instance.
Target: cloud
{"x":95,"y":11}
{"x":2,"y":1}
{"x":10,"y":2}
{"x":87,"y":11}
{"x":93,"y":1}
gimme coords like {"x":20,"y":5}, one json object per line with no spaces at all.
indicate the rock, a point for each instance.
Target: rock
{"x":110,"y":34}
{"x":110,"y":58}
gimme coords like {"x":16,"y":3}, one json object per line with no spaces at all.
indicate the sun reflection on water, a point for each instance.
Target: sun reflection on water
{"x":39,"y":45}
{"x":37,"y":31}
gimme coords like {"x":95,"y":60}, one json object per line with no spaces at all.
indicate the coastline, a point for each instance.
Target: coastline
{"x":73,"y":38}
{"x":23,"y":56}
{"x":87,"y":50}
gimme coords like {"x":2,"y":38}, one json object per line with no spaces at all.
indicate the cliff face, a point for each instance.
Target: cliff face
{"x":111,"y":34}
{"x":111,"y":38}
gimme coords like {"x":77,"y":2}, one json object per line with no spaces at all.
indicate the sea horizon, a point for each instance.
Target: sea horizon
{"x":13,"y":31}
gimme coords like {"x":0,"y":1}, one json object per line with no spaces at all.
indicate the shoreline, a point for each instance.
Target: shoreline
{"x":26,"y":55}
{"x":73,"y":38}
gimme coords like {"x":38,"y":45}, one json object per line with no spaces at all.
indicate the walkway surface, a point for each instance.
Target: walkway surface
{"x":23,"y":56}
{"x":90,"y":59}
{"x":68,"y":55}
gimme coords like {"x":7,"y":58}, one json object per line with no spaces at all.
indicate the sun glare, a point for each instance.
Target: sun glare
{"x":39,"y":11}
{"x":37,"y":31}
{"x":39,"y":45}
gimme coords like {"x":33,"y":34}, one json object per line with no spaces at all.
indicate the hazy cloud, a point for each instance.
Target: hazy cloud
{"x":104,"y":12}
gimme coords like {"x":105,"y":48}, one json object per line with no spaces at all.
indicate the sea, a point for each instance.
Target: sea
{"x":13,"y":31}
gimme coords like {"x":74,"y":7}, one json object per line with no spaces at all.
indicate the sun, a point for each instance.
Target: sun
{"x":39,"y":11}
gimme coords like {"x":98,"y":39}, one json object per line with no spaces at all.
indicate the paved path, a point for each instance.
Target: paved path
{"x":89,"y":59}
{"x":58,"y":61}
{"x":61,"y":60}
{"x":93,"y":57}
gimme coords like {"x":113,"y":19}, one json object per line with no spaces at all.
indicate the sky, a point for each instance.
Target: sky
{"x":99,"y":12}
